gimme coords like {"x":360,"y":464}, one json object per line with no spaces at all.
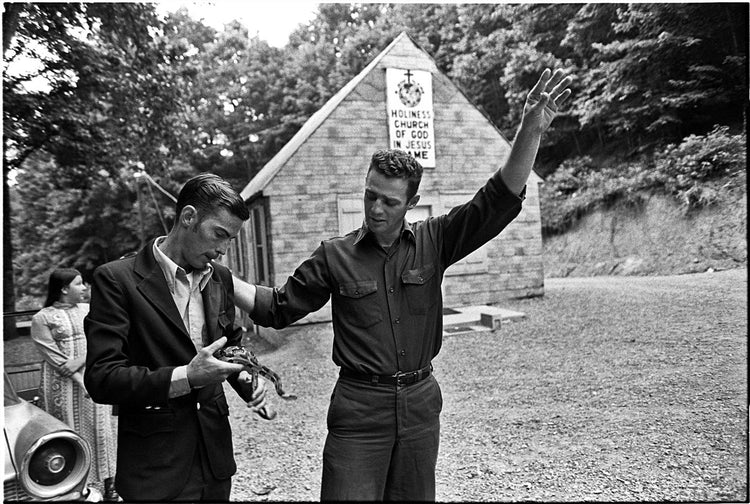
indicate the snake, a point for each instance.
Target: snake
{"x":245,"y":357}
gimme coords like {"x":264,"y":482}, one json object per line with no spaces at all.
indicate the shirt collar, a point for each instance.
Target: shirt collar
{"x":364,"y":231}
{"x":170,"y":268}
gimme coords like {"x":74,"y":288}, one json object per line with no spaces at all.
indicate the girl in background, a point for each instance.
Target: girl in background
{"x":57,"y":331}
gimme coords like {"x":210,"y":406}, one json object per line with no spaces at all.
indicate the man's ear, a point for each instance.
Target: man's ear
{"x":413,"y":202}
{"x":188,"y":216}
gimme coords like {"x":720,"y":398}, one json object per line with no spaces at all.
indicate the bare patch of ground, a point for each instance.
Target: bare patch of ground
{"x":657,"y":238}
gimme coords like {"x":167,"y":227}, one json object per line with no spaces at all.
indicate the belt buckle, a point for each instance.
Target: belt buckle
{"x":398,"y":375}
{"x":404,"y":378}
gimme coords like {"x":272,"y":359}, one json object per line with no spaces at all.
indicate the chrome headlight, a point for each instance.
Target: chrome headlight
{"x":55,"y":464}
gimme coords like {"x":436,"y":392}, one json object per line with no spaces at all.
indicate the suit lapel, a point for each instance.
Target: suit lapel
{"x":153,"y":287}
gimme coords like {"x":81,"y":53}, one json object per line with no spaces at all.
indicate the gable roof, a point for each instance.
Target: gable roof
{"x":269,"y":171}
{"x":274,"y":166}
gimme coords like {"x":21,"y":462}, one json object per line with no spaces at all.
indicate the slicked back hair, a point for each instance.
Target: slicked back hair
{"x":397,"y":163}
{"x":207,"y":193}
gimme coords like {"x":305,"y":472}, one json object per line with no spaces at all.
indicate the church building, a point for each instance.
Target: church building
{"x":313,"y":188}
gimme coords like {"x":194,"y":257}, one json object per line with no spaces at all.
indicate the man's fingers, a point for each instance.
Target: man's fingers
{"x":562,"y":97}
{"x":260,"y":389}
{"x":560,"y":89}
{"x":556,"y":78}
{"x":258,"y":402}
{"x":551,"y":83}
{"x":541,"y":84}
{"x":258,"y":396}
{"x":216,"y":345}
{"x":233,"y":367}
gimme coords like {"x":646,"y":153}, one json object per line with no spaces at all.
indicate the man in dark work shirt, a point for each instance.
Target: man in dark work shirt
{"x":384,"y":280}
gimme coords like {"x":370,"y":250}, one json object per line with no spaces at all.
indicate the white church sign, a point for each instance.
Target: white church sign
{"x":410,"y":115}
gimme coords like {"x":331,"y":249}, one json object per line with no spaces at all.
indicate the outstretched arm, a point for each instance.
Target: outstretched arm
{"x":540,"y":109}
{"x":244,"y":295}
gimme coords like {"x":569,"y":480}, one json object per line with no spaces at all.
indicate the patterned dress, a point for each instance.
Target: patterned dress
{"x":58,"y":333}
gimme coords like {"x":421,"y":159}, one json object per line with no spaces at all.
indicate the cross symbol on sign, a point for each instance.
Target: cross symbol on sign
{"x":408,"y":76}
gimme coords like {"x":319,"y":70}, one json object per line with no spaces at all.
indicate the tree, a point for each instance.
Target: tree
{"x":24,"y":20}
{"x":233,"y":87}
{"x":664,"y":70}
{"x":105,"y":113}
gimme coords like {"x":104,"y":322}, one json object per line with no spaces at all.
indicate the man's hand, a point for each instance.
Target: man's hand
{"x":258,"y":396}
{"x":544,"y":99}
{"x":541,"y":106}
{"x":205,"y":369}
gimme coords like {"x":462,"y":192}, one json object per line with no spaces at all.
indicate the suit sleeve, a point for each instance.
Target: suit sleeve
{"x":109,"y":376}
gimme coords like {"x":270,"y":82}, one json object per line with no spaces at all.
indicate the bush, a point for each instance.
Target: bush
{"x":698,"y":172}
{"x":691,"y":169}
{"x":579,"y":186}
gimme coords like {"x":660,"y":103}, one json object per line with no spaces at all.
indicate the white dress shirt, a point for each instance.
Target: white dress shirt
{"x":186,"y":291}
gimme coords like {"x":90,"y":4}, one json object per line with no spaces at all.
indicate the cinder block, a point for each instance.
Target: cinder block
{"x":491,"y":321}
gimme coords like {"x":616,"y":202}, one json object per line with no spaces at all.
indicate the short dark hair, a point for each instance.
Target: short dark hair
{"x":58,"y":279}
{"x":208,"y":192}
{"x":397,"y":163}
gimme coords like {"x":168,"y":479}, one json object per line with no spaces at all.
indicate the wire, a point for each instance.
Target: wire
{"x":158,"y":210}
{"x":152,"y":182}
{"x":160,"y":188}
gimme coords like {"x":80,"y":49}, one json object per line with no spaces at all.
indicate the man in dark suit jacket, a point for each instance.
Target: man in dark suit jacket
{"x":155,"y":320}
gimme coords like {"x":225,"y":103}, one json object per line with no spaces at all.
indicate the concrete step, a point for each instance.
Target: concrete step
{"x":479,"y":318}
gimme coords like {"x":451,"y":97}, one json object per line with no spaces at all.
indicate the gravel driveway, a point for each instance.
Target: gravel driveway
{"x":612,"y":389}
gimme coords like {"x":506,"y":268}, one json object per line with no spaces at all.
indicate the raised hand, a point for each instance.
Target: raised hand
{"x":545,"y":99}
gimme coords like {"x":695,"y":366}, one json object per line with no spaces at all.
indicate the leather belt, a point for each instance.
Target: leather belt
{"x":400,"y":378}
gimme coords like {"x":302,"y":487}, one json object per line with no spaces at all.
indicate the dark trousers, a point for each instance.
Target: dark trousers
{"x":202,"y":485}
{"x":382,"y":441}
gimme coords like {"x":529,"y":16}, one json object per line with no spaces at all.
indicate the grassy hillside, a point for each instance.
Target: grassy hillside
{"x":657,"y":236}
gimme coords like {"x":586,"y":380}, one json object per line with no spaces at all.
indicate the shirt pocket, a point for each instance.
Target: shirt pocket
{"x":358,"y":300}
{"x":420,"y":289}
